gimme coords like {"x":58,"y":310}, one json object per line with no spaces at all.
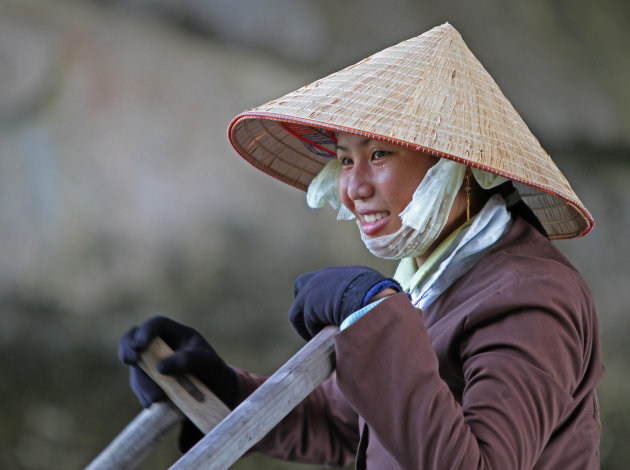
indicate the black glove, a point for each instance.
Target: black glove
{"x":192,"y":355}
{"x":330,"y":295}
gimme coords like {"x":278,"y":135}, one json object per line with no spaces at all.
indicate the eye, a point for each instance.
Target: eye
{"x":345,"y":161}
{"x":377,"y":154}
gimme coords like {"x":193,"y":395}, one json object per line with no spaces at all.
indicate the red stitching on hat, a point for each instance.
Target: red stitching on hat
{"x":304,"y":139}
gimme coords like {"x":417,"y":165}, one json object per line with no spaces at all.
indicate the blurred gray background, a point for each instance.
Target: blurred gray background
{"x":120,"y":197}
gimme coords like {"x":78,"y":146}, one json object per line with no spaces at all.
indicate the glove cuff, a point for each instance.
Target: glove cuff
{"x":362,"y":289}
{"x":380,"y":287}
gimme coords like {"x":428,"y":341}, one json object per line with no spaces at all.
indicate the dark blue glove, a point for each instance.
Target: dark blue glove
{"x":330,"y":295}
{"x":192,"y":355}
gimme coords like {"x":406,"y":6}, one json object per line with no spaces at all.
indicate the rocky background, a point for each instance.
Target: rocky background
{"x":120,"y":197}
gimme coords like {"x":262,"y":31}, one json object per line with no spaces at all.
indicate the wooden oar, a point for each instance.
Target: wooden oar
{"x":188,"y":398}
{"x":239,"y":431}
{"x":138,"y":439}
{"x":264,"y":408}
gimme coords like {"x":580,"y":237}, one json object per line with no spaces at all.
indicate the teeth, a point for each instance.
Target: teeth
{"x":369,"y":218}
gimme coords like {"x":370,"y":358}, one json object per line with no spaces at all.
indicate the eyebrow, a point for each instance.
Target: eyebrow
{"x":363,"y":143}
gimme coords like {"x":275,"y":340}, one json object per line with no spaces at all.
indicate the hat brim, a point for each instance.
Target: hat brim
{"x":262,"y":140}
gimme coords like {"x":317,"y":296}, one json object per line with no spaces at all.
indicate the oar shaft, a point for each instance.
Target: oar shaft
{"x":265,"y":407}
{"x":138,"y":439}
{"x":239,"y":431}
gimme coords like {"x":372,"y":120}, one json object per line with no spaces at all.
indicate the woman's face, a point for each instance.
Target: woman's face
{"x":377,"y":181}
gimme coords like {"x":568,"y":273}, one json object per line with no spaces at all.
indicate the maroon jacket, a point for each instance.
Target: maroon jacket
{"x":498,"y":373}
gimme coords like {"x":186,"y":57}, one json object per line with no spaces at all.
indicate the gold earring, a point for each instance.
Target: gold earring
{"x":467,"y":188}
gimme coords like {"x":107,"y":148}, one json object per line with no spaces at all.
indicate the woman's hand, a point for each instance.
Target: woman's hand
{"x":330,"y":295}
{"x":192,"y":355}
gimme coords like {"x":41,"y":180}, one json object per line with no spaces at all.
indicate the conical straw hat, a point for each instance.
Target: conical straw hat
{"x":429,"y":93}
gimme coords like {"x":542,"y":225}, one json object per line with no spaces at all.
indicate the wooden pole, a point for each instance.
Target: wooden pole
{"x":138,"y":439}
{"x":235,"y":434}
{"x":187,"y":393}
{"x":264,"y":408}
{"x":191,"y":399}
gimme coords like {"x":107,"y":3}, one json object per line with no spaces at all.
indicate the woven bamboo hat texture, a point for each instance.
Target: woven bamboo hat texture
{"x":429,"y":93}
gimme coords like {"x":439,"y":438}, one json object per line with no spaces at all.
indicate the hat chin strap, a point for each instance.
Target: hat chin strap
{"x":424,"y":217}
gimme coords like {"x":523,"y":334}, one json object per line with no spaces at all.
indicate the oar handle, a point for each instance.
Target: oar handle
{"x":188,"y":398}
{"x":187,"y":393}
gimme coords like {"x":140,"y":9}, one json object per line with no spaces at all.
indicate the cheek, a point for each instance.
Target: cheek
{"x":400,"y":193}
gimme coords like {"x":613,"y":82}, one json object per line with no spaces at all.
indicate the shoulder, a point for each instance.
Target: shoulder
{"x":524,"y":271}
{"x":526,"y":259}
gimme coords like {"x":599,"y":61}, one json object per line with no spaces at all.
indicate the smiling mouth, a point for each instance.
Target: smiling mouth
{"x":371,"y":218}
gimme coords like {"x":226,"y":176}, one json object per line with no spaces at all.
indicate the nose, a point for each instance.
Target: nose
{"x":359,"y":183}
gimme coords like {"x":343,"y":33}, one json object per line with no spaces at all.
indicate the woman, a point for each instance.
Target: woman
{"x":483,"y":350}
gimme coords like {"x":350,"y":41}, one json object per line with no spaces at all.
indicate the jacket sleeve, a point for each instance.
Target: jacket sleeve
{"x":322,"y":429}
{"x":522,"y":363}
